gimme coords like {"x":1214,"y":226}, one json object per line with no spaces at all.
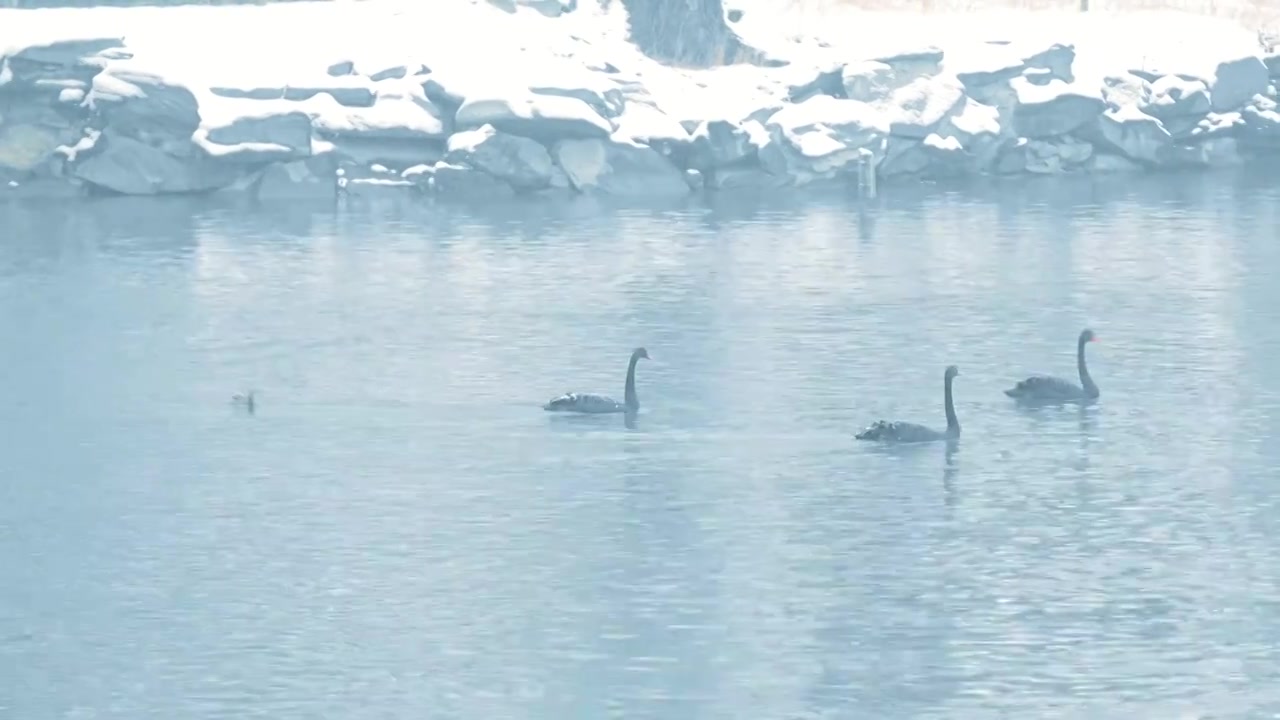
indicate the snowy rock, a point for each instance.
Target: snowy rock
{"x":313,"y":178}
{"x":523,"y":163}
{"x":464,"y":183}
{"x":129,"y":166}
{"x":349,"y":90}
{"x":869,"y":81}
{"x":908,"y":66}
{"x":1056,"y":155}
{"x":290,"y":130}
{"x":916,"y":108}
{"x":1054,"y":109}
{"x":1235,"y":82}
{"x":744,"y":178}
{"x":1124,"y":90}
{"x":144,"y":107}
{"x":1056,"y":61}
{"x":818,"y":138}
{"x":39,"y":68}
{"x":827,"y":80}
{"x":1173,"y":96}
{"x":573,"y":81}
{"x":644,"y":123}
{"x":1132,"y":133}
{"x":618,"y":168}
{"x":1214,"y":152}
{"x":1272,"y":61}
{"x":977,"y":128}
{"x":390,"y":118}
{"x":546,"y":118}
{"x":1261,"y":124}
{"x":719,"y":143}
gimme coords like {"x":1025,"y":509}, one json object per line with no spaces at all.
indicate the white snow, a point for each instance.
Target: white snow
{"x":523,"y":66}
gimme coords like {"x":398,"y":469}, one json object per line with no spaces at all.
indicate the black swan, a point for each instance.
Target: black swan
{"x":592,"y":403}
{"x":1042,"y":388}
{"x":905,"y":432}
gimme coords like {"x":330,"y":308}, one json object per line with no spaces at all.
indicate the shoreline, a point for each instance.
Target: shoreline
{"x":151,"y":114}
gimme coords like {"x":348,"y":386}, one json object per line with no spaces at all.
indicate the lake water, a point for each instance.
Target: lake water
{"x":400,"y":531}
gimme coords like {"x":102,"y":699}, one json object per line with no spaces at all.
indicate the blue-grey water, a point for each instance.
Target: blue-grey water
{"x":400,"y":531}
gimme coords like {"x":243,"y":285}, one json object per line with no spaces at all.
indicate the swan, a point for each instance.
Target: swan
{"x":1043,"y":388}
{"x":592,"y":403}
{"x":905,"y":432}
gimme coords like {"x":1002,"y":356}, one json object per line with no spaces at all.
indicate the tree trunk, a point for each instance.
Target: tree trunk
{"x":689,"y":33}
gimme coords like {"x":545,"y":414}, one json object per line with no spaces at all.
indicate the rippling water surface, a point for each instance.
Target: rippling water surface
{"x":401,"y":532}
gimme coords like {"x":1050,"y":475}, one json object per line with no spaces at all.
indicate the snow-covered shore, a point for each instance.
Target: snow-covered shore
{"x":462,"y":99}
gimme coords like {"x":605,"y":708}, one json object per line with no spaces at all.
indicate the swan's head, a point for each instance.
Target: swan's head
{"x":952,"y":372}
{"x":1087,"y":336}
{"x":640,"y":353}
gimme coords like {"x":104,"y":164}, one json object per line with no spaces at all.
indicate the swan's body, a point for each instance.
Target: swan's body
{"x":905,"y":432}
{"x":597,"y":404}
{"x":1046,"y":389}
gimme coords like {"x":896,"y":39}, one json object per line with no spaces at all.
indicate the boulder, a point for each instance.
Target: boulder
{"x":144,"y":107}
{"x":25,"y":147}
{"x":349,"y":90}
{"x":1132,"y":133}
{"x":1173,"y":96}
{"x":909,"y":65}
{"x":1214,"y":152}
{"x":1124,"y":90}
{"x":1235,"y":82}
{"x":826,"y":80}
{"x":869,"y":81}
{"x":916,"y":108}
{"x":1054,"y":109}
{"x":459,"y":182}
{"x":311,"y":178}
{"x":78,"y":61}
{"x":744,"y":178}
{"x":392,"y":117}
{"x":718,"y":144}
{"x":1261,"y":124}
{"x":1056,"y":60}
{"x":644,"y":123}
{"x":290,"y":129}
{"x":977,"y":128}
{"x":522,"y":163}
{"x":1055,"y":155}
{"x":819,"y":137}
{"x":618,"y":168}
{"x":545,"y":118}
{"x":129,"y":166}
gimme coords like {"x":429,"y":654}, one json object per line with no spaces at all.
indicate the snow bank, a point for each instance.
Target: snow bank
{"x":466,"y":99}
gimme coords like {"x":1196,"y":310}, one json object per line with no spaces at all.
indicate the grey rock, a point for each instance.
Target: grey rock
{"x":1173,"y":96}
{"x":338,"y":69}
{"x":144,"y":107}
{"x":291,"y":130}
{"x":1056,"y":60}
{"x":459,"y":182}
{"x":1056,"y":155}
{"x":311,"y":178}
{"x":129,"y":166}
{"x":545,"y":118}
{"x":718,"y":144}
{"x":1132,"y":133}
{"x":523,"y":163}
{"x":1043,"y":112}
{"x":618,"y":169}
{"x":1235,"y":82}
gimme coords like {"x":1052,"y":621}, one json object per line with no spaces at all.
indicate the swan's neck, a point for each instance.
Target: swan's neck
{"x":1085,"y":380}
{"x":631,"y":400}
{"x":953,"y":423}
